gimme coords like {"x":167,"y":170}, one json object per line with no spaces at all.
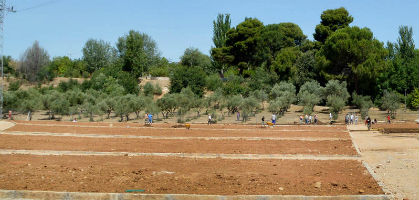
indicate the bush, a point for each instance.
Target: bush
{"x":192,"y":77}
{"x":413,"y":99}
{"x":159,"y":71}
{"x":148,"y":89}
{"x":157,"y":90}
{"x":15,"y":85}
{"x":213,"y":81}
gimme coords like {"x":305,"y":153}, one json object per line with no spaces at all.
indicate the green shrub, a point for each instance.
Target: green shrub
{"x":157,"y":90}
{"x":148,"y":89}
{"x":15,"y":85}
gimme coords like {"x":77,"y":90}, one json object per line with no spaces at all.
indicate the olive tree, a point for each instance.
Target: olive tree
{"x":286,"y":94}
{"x":364,"y":103}
{"x":232,"y":103}
{"x":336,"y":95}
{"x":309,"y":96}
{"x":390,"y":102}
{"x":248,"y":107}
{"x":336,"y":104}
{"x":167,"y":104}
{"x":31,"y":103}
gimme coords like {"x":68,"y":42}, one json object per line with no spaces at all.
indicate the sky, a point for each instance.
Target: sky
{"x":62,"y":27}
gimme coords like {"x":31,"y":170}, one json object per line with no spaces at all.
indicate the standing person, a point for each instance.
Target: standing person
{"x":301,"y":119}
{"x":150,"y":118}
{"x":209,"y":119}
{"x":356,"y":119}
{"x":346,"y":118}
{"x":238,"y":116}
{"x":330,"y":116}
{"x":273,"y":119}
{"x":368,"y":122}
{"x":310,"y":119}
{"x":263,"y":120}
{"x":10,"y":115}
{"x":306,"y":118}
{"x":315,"y":119}
{"x":388,"y":119}
{"x":352,"y":118}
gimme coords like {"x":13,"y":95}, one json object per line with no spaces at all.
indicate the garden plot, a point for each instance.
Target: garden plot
{"x":205,"y":160}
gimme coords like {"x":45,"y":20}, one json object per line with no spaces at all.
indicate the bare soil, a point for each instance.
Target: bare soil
{"x":409,"y":127}
{"x":193,"y":125}
{"x":186,"y":176}
{"x":210,"y":132}
{"x":326,"y":147}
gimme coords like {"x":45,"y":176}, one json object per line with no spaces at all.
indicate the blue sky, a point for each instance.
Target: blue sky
{"x":63,"y":26}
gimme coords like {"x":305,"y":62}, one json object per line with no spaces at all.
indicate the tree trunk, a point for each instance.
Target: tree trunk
{"x":127,"y":116}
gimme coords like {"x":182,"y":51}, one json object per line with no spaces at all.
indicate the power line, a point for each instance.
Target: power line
{"x":37,"y":6}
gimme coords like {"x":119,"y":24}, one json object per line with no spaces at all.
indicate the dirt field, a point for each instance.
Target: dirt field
{"x":409,"y":127}
{"x":184,"y":176}
{"x":176,"y":175}
{"x":338,"y":147}
{"x":195,"y":131}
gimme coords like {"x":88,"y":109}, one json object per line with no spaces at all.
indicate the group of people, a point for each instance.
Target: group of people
{"x":351,"y":118}
{"x":273,"y":119}
{"x":308,"y":119}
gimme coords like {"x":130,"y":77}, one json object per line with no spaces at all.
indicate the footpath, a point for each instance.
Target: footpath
{"x":393,"y":159}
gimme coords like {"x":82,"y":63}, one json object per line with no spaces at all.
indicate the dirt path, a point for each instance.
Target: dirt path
{"x":5,"y":125}
{"x":184,"y":155}
{"x":394,"y":159}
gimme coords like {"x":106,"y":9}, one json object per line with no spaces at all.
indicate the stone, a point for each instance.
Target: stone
{"x":318,"y":184}
{"x":281,"y":188}
{"x":334,"y":184}
{"x":361,"y":191}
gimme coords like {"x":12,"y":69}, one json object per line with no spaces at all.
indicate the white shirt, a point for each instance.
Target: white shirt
{"x":273,"y":117}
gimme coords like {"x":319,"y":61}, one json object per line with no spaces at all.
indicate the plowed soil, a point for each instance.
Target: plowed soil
{"x":169,"y":125}
{"x":211,"y":132}
{"x":182,"y":175}
{"x":398,"y":127}
{"x":326,"y":147}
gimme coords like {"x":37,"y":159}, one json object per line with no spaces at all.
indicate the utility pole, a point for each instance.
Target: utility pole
{"x":3,"y":11}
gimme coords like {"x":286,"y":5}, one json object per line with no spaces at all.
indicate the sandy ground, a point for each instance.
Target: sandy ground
{"x":394,"y":159}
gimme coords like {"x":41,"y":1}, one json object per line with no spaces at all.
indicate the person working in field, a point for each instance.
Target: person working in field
{"x":209,"y":119}
{"x":263,"y":120}
{"x":150,"y":118}
{"x":273,"y":119}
